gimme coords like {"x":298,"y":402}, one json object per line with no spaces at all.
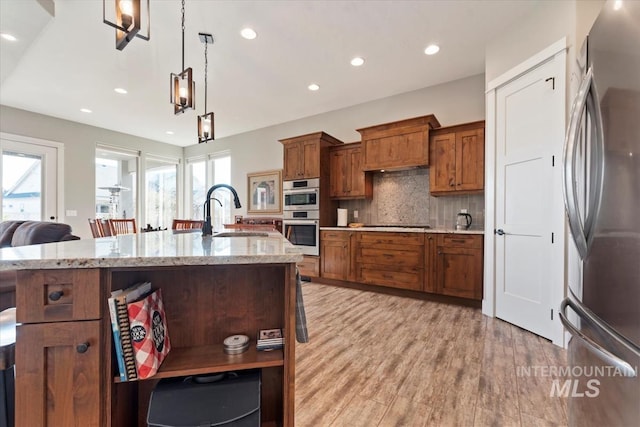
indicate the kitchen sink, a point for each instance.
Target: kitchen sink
{"x":241,"y":234}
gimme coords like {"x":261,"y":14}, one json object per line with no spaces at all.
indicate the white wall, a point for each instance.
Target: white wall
{"x":79,"y":155}
{"x":455,"y":102}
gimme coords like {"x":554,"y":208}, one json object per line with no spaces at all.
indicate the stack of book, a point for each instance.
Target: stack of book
{"x":140,"y":334}
{"x":269,"y":339}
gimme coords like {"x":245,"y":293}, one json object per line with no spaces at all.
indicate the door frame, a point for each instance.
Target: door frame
{"x":59,"y":147}
{"x":556,"y":51}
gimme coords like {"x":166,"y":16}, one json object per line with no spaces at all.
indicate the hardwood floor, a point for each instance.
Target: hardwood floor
{"x":381,"y":360}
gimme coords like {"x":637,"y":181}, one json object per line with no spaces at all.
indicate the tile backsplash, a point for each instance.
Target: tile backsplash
{"x":403,"y":198}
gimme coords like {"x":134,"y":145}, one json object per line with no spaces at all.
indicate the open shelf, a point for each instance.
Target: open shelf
{"x":209,"y":359}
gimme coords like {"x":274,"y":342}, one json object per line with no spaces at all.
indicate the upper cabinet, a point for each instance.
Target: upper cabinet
{"x":398,"y":145}
{"x":302,"y":155}
{"x":348,"y":179}
{"x":457,"y":159}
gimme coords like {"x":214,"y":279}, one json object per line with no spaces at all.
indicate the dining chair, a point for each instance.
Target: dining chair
{"x":95,"y":228}
{"x":105,"y":228}
{"x":123,"y":226}
{"x":187,"y":224}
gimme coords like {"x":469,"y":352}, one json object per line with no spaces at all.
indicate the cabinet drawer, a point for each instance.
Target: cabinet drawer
{"x":405,"y":279}
{"x":58,"y":295}
{"x":383,"y":237}
{"x":342,"y":236}
{"x":401,"y":258}
{"x":310,"y":266}
{"x":461,"y":240}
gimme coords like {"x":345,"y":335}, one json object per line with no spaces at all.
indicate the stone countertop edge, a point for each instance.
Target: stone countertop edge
{"x":400,"y":229}
{"x":153,"y":249}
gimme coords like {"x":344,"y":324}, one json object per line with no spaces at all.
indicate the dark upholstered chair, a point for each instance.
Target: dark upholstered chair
{"x":23,"y":233}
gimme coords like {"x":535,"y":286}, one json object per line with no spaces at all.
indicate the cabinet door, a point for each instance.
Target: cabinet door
{"x":442,"y":171}
{"x":60,"y":381}
{"x":470,"y":160}
{"x":292,"y":160}
{"x":459,"y":272}
{"x":406,"y":149}
{"x":310,"y":167}
{"x":335,"y":259}
{"x":338,"y":169}
{"x":356,"y":177}
{"x":429,"y":263}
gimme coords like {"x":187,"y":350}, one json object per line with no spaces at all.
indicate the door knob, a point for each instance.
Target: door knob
{"x":499,"y":232}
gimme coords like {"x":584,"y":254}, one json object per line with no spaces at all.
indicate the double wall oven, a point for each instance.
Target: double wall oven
{"x":301,"y":224}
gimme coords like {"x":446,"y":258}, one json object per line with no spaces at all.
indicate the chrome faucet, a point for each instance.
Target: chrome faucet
{"x":206,"y":227}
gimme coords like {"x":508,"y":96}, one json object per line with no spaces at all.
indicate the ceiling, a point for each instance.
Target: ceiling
{"x":68,"y":61}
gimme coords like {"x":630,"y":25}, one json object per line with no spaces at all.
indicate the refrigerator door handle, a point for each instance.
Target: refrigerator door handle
{"x":602,"y":353}
{"x":586,"y":99}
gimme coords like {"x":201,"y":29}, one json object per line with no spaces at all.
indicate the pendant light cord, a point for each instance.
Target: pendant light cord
{"x":206,"y":66}
{"x":182,"y":35}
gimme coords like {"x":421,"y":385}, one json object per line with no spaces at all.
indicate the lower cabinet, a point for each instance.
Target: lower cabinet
{"x":459,"y":265}
{"x":390,"y":259}
{"x":336,"y":256}
{"x":440,"y":263}
{"x":310,"y":266}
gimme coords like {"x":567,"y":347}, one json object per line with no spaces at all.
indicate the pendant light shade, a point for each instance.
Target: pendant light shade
{"x":183,"y":88}
{"x":183,"y":91}
{"x":205,"y":121}
{"x":205,"y":128}
{"x":128,"y":17}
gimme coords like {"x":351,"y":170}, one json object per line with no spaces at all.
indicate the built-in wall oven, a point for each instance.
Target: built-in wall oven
{"x":301,"y":223}
{"x":301,"y":195}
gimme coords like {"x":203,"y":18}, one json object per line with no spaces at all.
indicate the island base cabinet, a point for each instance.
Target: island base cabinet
{"x":59,"y":366}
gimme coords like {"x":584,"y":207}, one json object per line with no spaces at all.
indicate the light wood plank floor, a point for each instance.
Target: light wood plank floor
{"x":381,"y":360}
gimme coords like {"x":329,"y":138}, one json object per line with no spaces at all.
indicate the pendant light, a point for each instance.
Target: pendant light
{"x":205,"y":121}
{"x":183,"y":88}
{"x":127,"y":20}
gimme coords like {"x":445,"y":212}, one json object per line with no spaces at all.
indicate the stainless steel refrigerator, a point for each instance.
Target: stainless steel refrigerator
{"x":602,"y":200}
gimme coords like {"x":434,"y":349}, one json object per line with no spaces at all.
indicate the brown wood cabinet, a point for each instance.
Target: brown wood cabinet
{"x":457,"y":159}
{"x":390,"y":259}
{"x":459,"y":265}
{"x":348,"y":179}
{"x":398,"y":145}
{"x":310,"y":266}
{"x":303,"y":155}
{"x":66,"y":371}
{"x":337,"y":258}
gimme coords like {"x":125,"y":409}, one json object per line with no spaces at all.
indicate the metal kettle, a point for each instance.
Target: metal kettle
{"x":463,"y":221}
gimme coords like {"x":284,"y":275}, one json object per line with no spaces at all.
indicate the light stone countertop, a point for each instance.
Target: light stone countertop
{"x":159,"y":248}
{"x":402,"y":229}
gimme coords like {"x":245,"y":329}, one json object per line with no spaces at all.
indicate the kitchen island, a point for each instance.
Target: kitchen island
{"x":213,"y":287}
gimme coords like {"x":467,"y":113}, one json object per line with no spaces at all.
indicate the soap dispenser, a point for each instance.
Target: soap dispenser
{"x":463,"y":220}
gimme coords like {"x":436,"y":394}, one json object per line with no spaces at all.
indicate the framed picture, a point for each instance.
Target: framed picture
{"x":265,"y":192}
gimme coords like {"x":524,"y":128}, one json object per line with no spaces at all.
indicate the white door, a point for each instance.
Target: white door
{"x":29,"y":181}
{"x":528,"y":241}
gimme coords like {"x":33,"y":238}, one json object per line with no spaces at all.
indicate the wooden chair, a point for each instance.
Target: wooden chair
{"x":187,"y":224}
{"x":95,"y":228}
{"x":123,"y":226}
{"x":105,"y":228}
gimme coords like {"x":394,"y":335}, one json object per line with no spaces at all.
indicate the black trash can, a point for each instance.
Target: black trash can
{"x":231,"y":399}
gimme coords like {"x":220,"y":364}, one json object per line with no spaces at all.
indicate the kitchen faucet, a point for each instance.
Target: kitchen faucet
{"x":206,"y":227}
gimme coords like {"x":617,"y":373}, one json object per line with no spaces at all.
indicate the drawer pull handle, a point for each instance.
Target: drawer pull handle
{"x":56,"y":295}
{"x":459,"y":240}
{"x":82,"y":348}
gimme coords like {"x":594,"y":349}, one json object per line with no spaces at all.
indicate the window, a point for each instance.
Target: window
{"x":116,"y":178}
{"x":201,"y":175}
{"x":161,"y":183}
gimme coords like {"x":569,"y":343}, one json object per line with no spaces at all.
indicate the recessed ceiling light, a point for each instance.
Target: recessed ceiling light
{"x":313,"y":87}
{"x":8,"y":36}
{"x":120,"y":90}
{"x":248,"y":33}
{"x":617,"y":5}
{"x":432,"y":49}
{"x":85,"y":110}
{"x":169,"y":132}
{"x":357,"y":61}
